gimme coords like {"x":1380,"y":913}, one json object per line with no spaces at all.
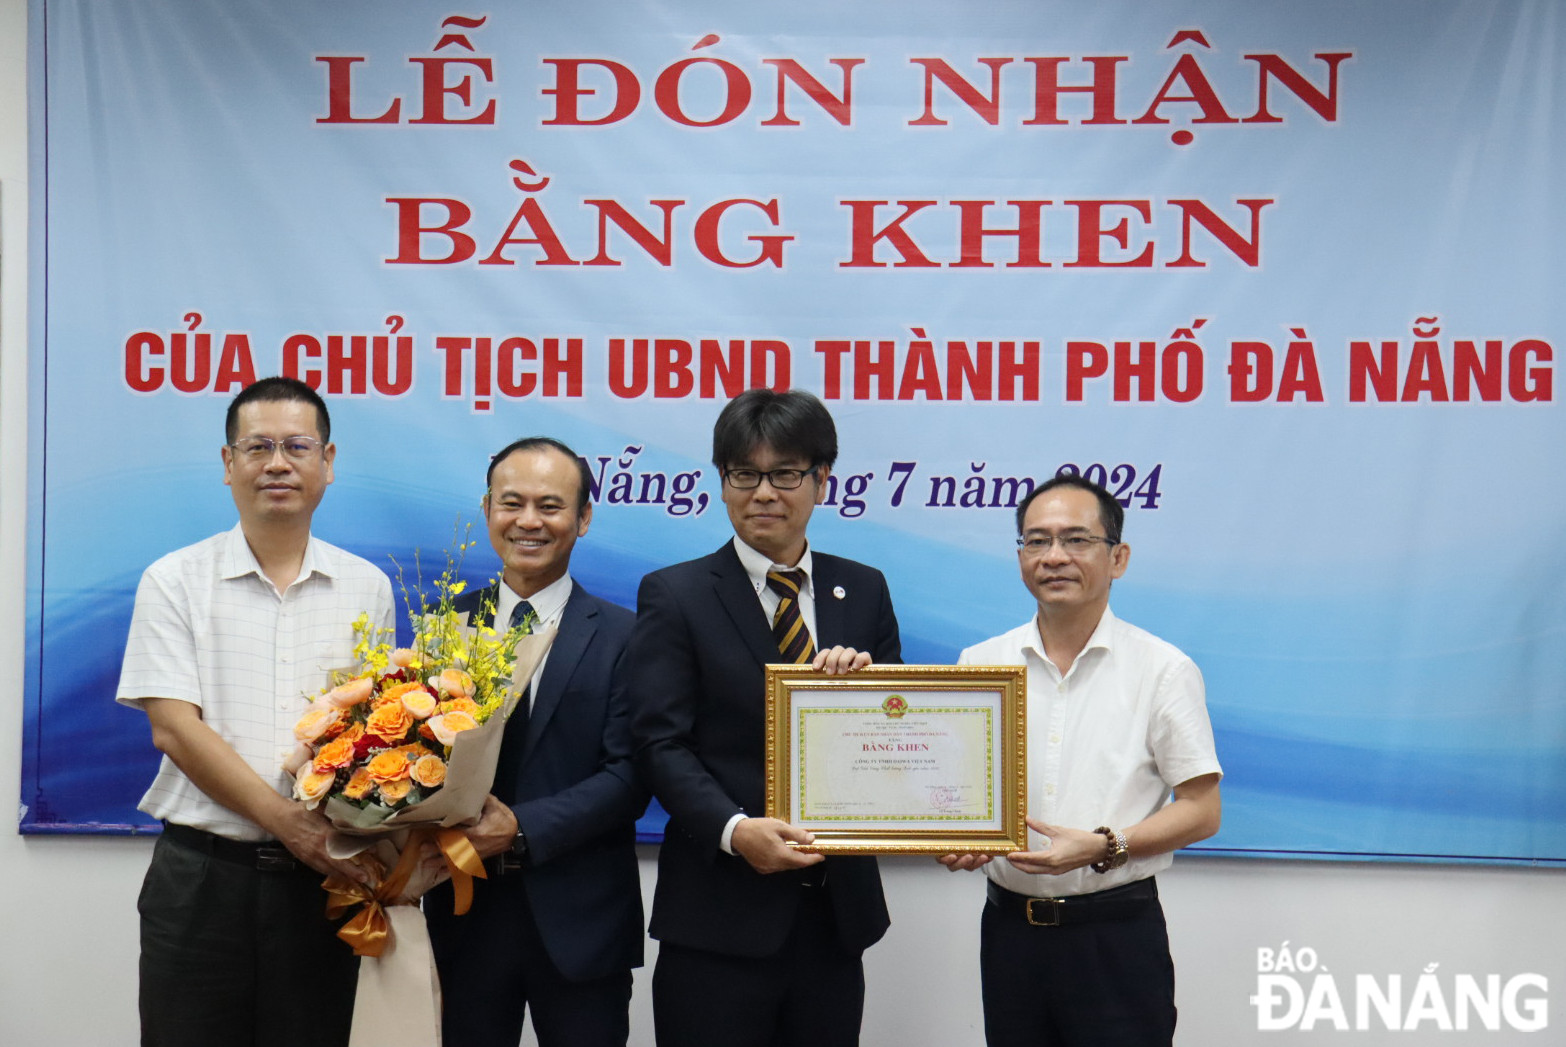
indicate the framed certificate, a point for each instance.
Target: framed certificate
{"x":900,"y":759}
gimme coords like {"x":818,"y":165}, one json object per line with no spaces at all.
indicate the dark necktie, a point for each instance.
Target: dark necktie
{"x":788,"y":625}
{"x":522,"y":614}
{"x":510,"y":763}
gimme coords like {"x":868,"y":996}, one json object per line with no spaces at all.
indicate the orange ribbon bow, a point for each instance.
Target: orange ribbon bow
{"x":368,"y":931}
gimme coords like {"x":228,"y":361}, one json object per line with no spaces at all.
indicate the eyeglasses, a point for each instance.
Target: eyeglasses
{"x":782,"y":479}
{"x":262,"y":448}
{"x":1074,"y":545}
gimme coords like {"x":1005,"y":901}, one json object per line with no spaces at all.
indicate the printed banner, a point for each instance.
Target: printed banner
{"x":1284,"y":277}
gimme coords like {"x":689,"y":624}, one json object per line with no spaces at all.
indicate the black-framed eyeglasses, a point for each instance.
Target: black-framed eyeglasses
{"x":782,"y":479}
{"x":1074,"y":545}
{"x":262,"y":448}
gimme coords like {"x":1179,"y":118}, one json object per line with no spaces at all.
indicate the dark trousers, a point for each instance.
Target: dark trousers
{"x":494,"y":968}
{"x":1100,"y":983}
{"x":234,"y":955}
{"x":812,"y":992}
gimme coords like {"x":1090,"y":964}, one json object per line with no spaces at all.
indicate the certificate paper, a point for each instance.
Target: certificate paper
{"x":911,"y":758}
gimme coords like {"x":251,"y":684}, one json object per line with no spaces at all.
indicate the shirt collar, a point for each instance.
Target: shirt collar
{"x":548,"y":603}
{"x":239,"y":560}
{"x":1102,"y":638}
{"x":757,"y":565}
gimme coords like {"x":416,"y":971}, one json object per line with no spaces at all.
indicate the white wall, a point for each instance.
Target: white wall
{"x":68,"y":920}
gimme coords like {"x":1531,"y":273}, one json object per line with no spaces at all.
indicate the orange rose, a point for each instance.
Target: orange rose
{"x":429,"y":770}
{"x":334,"y":754}
{"x":448,"y":725}
{"x":388,"y":766}
{"x":354,"y":732}
{"x":317,"y":720}
{"x":419,"y":703}
{"x":391,"y":792}
{"x":453,"y":683}
{"x":311,"y":785}
{"x":391,"y":721}
{"x":359,"y":785}
{"x":397,"y":690}
{"x":403,"y":657}
{"x":459,"y":705}
{"x":351,"y":693}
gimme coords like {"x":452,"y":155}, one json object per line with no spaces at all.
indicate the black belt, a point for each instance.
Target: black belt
{"x":1117,"y":903}
{"x":265,"y":855}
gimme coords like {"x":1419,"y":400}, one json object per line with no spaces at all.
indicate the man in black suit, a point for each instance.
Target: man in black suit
{"x":557,"y":927}
{"x":759,"y":944}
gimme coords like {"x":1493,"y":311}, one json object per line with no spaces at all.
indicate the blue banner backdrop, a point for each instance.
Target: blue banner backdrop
{"x":1284,"y":276}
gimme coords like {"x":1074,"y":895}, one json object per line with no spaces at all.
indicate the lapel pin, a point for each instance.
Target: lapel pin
{"x":839,"y":592}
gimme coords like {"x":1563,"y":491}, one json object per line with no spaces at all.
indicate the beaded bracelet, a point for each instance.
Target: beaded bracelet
{"x":1120,"y":851}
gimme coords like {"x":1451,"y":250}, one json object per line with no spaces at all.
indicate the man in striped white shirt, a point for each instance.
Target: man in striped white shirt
{"x":228,"y":640}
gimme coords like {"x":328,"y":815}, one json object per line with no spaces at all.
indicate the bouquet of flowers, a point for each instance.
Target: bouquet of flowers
{"x":401,"y":743}
{"x":387,"y":739}
{"x":380,"y":739}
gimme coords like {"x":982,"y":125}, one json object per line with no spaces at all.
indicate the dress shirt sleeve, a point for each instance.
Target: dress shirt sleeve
{"x":1180,"y":734}
{"x":160,"y":651}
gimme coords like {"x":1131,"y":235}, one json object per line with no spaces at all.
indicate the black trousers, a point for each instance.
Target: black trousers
{"x":234,"y":955}
{"x":1099,"y":983}
{"x":494,"y":968}
{"x":812,"y":992}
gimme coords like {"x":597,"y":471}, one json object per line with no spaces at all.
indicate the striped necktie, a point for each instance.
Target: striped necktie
{"x":788,"y":625}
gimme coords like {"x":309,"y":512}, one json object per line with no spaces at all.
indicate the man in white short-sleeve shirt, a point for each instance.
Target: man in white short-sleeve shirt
{"x":229,"y":639}
{"x":1073,"y":944}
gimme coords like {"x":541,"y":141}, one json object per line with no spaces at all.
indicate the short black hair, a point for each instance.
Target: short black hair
{"x":278,"y":389}
{"x":792,"y":423}
{"x":1110,"y":512}
{"x":538,"y":443}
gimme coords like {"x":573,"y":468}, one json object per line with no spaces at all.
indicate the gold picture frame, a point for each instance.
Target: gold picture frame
{"x":900,"y":759}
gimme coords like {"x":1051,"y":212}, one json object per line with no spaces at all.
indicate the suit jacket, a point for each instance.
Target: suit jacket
{"x":569,"y":779}
{"x":695,"y":672}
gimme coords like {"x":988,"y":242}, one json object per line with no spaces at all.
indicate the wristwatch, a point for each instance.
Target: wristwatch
{"x":1119,"y":850}
{"x":519,"y":845}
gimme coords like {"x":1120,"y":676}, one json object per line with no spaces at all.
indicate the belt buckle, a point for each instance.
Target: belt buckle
{"x":275,"y":859}
{"x":1053,"y":919}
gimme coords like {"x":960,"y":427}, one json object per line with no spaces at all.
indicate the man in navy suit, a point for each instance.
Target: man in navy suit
{"x":557,"y":926}
{"x":759,"y":944}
